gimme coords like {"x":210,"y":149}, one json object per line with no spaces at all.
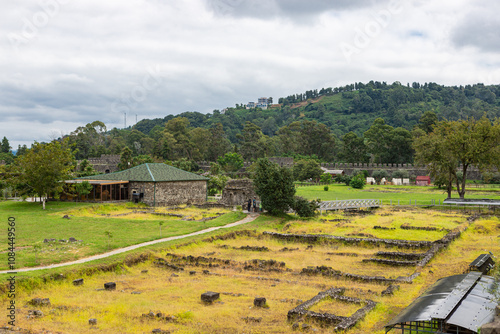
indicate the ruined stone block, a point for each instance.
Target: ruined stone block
{"x":77,"y":282}
{"x":110,"y":286}
{"x":259,"y":302}
{"x":209,"y":297}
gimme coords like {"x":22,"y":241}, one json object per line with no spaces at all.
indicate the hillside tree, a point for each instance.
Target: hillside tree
{"x":274,"y":185}
{"x":43,"y":168}
{"x":455,"y":146}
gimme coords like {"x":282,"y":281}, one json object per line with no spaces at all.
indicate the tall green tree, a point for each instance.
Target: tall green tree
{"x":83,"y":188}
{"x":274,"y":185}
{"x":44,"y":167}
{"x":182,"y":145}
{"x":5,"y":146}
{"x":428,"y":121}
{"x":125,"y":159}
{"x":353,"y":149}
{"x":85,"y":168}
{"x":250,"y":142}
{"x":307,"y":169}
{"x":387,"y":144}
{"x":89,"y":140}
{"x":456,"y":146}
{"x":218,"y":143}
{"x":377,"y":138}
{"x":307,"y":138}
{"x":231,"y":162}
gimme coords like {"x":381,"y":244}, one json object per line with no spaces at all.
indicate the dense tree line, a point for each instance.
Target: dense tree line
{"x":360,"y":122}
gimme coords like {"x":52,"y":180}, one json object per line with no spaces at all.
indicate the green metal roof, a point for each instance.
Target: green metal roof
{"x":149,"y":172}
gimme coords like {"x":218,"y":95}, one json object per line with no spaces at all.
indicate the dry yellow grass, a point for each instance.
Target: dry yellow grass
{"x":132,"y":211}
{"x":178,"y":293}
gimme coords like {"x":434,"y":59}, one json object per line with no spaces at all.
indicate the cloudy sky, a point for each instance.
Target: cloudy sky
{"x":66,"y":63}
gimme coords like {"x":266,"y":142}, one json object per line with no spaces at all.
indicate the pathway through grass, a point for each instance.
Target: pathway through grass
{"x":248,"y":219}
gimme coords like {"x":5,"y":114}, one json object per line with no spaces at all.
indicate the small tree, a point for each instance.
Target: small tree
{"x":304,"y":208}
{"x":231,"y":162}
{"x":109,"y":235}
{"x":358,"y":181}
{"x":274,"y":185}
{"x":214,"y":168}
{"x":83,"y":189}
{"x":346,"y":179}
{"x":326,"y":178}
{"x":160,"y":223}
{"x":36,"y":248}
{"x":125,"y":158}
{"x":85,"y":169}
{"x":43,"y":168}
{"x":378,"y":175}
{"x":216,"y":184}
{"x":307,"y":169}
{"x":400,"y":174}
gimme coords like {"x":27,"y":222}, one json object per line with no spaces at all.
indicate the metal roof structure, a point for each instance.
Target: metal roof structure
{"x":455,"y":304}
{"x":483,"y":263}
{"x":472,"y":201}
{"x":149,"y":172}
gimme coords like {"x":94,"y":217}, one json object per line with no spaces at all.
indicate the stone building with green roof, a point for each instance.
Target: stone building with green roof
{"x":155,"y":184}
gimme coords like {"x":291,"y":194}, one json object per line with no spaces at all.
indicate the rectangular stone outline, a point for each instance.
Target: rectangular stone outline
{"x":342,"y":323}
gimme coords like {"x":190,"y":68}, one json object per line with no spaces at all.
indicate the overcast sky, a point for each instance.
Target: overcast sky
{"x":66,"y":63}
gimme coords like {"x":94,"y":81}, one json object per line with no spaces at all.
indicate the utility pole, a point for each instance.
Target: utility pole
{"x":125,"y":120}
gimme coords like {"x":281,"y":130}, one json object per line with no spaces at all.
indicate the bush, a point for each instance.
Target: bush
{"x":274,"y":185}
{"x":325,"y":188}
{"x":307,"y":169}
{"x":358,"y":181}
{"x":304,"y":208}
{"x":491,"y":178}
{"x":401,"y":174}
{"x":378,"y":175}
{"x":216,"y":184}
{"x":326,"y":178}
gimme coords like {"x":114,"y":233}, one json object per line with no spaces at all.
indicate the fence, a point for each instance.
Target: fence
{"x":436,"y":204}
{"x":349,"y":204}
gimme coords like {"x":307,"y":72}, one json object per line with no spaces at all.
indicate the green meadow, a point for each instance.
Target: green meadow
{"x":390,"y":194}
{"x":89,"y":224}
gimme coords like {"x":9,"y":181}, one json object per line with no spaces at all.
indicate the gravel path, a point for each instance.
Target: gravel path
{"x":248,"y":219}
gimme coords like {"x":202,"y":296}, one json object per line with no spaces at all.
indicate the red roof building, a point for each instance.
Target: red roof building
{"x":423,"y":181}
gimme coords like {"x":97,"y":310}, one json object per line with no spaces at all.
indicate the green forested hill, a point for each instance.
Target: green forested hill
{"x":355,"y":123}
{"x":354,"y":108}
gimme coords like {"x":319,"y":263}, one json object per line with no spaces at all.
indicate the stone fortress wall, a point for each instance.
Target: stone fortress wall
{"x":473,"y":173}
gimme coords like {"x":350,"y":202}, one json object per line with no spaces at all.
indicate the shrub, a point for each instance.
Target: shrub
{"x":304,"y":208}
{"x":378,"y":175}
{"x":401,"y":174}
{"x":358,"y":181}
{"x":325,"y":188}
{"x":326,"y":178}
{"x":346,"y":179}
{"x":274,"y":185}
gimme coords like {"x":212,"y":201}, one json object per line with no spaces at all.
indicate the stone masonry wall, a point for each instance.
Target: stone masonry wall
{"x":171,"y":193}
{"x":106,"y":163}
{"x":350,"y":168}
{"x":238,"y":192}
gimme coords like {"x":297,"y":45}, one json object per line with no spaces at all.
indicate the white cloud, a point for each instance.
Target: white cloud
{"x":77,"y":62}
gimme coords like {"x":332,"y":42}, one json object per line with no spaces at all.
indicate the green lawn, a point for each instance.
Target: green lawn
{"x":33,"y":225}
{"x":403,"y":194}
